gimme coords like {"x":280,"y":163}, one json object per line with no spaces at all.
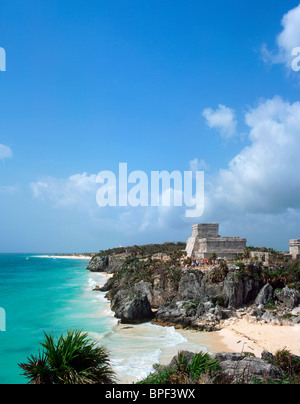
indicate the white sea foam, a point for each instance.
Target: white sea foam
{"x":136,"y":367}
{"x":169,"y":335}
{"x":134,"y":349}
{"x":100,"y":337}
{"x":96,"y":280}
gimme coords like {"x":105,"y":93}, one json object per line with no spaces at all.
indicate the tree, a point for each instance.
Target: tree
{"x":74,"y":359}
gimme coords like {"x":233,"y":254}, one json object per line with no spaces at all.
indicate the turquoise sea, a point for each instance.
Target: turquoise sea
{"x":41,"y":294}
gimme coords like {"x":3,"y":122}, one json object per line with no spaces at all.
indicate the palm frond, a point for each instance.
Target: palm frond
{"x":71,"y":359}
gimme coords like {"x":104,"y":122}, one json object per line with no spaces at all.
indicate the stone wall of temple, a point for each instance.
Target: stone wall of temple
{"x":205,"y":240}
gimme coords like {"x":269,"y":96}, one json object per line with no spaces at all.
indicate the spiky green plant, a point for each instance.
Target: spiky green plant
{"x":185,"y":370}
{"x":200,"y":363}
{"x":73,"y":359}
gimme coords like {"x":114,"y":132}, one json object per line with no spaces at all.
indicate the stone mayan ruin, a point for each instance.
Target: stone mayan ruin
{"x":205,"y":240}
{"x":295,"y":248}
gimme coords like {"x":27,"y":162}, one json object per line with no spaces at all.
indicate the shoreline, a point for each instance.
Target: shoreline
{"x":239,"y":336}
{"x":69,"y":257}
{"x":259,"y":336}
{"x":191,"y":340}
{"x":236,"y":336}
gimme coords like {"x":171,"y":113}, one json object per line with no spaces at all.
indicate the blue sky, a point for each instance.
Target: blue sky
{"x":161,"y":85}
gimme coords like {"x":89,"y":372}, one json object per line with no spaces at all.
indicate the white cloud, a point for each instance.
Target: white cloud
{"x":196,"y":165}
{"x":222,"y":119}
{"x":286,"y":41}
{"x":78,"y":190}
{"x":256,"y":195}
{"x":5,"y":152}
{"x":263,"y":177}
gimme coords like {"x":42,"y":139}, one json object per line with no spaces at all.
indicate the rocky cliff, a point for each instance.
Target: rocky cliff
{"x":145,"y":289}
{"x":107,"y":263}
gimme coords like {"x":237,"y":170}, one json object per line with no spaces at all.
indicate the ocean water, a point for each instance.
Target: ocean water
{"x":55,"y":295}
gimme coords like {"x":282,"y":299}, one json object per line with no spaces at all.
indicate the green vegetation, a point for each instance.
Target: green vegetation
{"x":146,"y":267}
{"x":219,"y":272}
{"x":74,"y":359}
{"x":184,"y":371}
{"x":144,"y":250}
{"x":290,"y":366}
{"x":286,"y":274}
{"x":203,"y":369}
{"x":279,"y":272}
{"x":192,"y":305}
{"x":270,"y":305}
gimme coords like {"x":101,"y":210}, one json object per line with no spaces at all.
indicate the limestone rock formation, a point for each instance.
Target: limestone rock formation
{"x":108,"y":263}
{"x":131,"y":308}
{"x":289,"y":297}
{"x":243,"y":368}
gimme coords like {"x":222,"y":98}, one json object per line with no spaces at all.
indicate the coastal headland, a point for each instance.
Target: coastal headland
{"x":245,"y":304}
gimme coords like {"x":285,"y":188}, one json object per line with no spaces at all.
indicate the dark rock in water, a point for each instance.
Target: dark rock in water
{"x":107,"y":286}
{"x":131,"y":307}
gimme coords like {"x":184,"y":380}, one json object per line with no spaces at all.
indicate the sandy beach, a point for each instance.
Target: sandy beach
{"x":69,"y":257}
{"x":236,"y":336}
{"x":240,"y":336}
{"x":256,"y":337}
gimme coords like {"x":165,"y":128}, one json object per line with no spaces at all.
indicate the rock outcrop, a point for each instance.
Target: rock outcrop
{"x":108,"y":263}
{"x":242,"y":368}
{"x":131,"y":308}
{"x":265,"y":295}
{"x":195,"y":299}
{"x":289,"y":297}
{"x":232,"y":368}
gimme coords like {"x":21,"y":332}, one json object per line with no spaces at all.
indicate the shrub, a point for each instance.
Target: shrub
{"x":74,"y":359}
{"x":184,"y":370}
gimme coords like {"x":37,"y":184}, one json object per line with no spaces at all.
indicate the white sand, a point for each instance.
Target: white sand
{"x":256,"y":337}
{"x":69,"y":257}
{"x":236,"y":336}
{"x":240,"y":336}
